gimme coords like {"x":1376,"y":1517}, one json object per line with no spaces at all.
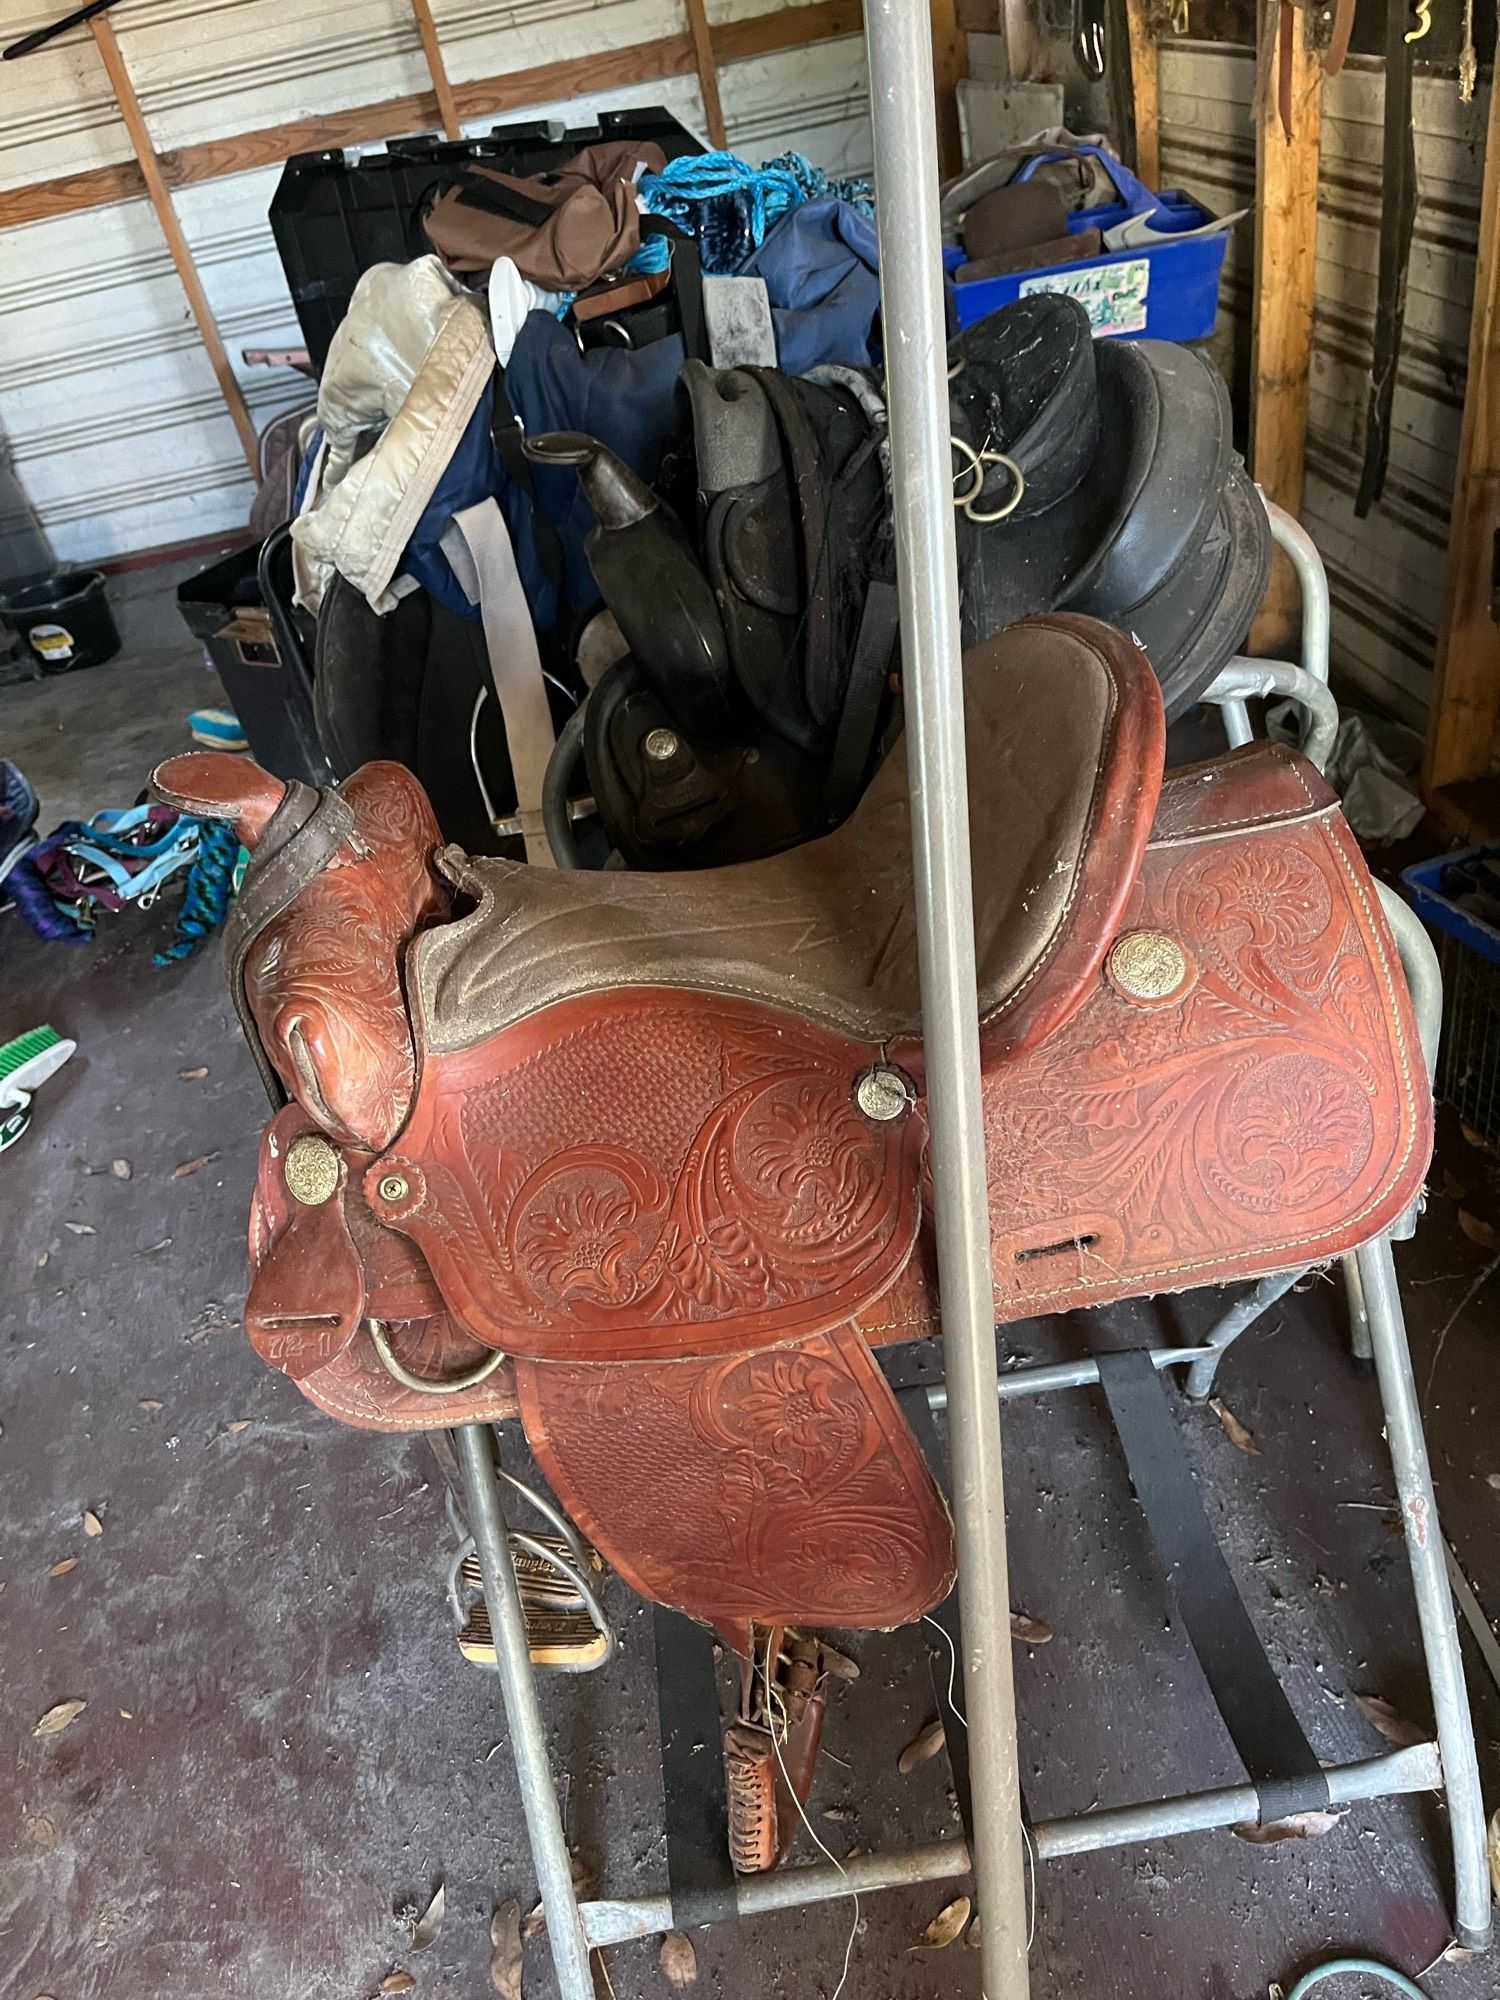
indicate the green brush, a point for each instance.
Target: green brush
{"x":25,"y":1065}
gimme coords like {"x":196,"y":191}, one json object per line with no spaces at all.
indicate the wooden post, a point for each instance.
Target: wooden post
{"x":950,"y":65}
{"x":708,"y":71}
{"x":1286,"y":243}
{"x":1145,"y":84}
{"x":177,"y":243}
{"x":1466,"y":688}
{"x":437,"y":69}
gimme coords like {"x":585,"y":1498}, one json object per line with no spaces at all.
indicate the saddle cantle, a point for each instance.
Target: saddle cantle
{"x":642,"y":1157}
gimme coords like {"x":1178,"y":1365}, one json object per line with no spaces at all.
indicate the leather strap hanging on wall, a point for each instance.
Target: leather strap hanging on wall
{"x":1397,"y":218}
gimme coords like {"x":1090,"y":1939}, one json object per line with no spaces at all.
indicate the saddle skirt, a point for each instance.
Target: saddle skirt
{"x":642,"y":1159}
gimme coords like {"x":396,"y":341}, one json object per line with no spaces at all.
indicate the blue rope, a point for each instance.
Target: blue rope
{"x":687,"y":186}
{"x":1399,"y":1980}
{"x":210,"y":885}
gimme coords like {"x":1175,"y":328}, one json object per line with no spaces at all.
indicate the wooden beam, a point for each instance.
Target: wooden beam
{"x":437,"y":69}
{"x":708,"y":71}
{"x":1466,"y":688}
{"x":482,"y":97}
{"x":1145,"y":84}
{"x":950,"y":65}
{"x":177,"y":243}
{"x":1286,"y":245}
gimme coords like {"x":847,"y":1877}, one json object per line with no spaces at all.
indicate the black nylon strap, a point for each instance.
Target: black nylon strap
{"x":700,"y":1874}
{"x":1273,"y":1748}
{"x":495,"y":198}
{"x":687,"y":285}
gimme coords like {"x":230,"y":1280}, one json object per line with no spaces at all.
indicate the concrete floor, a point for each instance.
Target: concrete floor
{"x":281,"y":1746}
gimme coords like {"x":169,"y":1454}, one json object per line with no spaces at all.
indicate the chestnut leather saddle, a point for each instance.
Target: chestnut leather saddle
{"x":642,"y":1157}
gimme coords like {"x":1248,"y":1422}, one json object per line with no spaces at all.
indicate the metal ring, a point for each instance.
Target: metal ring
{"x":420,"y":1383}
{"x":976,"y":468}
{"x":1009,"y":507}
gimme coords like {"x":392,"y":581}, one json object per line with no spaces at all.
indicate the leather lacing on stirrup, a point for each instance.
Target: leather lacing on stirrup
{"x":771,"y":1751}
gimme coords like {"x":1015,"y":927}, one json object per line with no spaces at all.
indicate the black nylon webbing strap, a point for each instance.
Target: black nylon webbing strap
{"x":1276,"y":1754}
{"x":943,"y":1658}
{"x":497,"y":198}
{"x":700,"y":1874}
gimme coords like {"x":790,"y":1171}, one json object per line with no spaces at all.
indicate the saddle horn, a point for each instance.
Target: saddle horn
{"x":650,"y":577}
{"x":214,"y":784}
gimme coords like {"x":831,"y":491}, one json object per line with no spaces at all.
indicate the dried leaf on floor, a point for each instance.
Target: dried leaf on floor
{"x":536,"y":1922}
{"x":194,"y":1075}
{"x":62,"y":1568}
{"x":839,"y":1664}
{"x":239,"y":1424}
{"x":1391,"y":1723}
{"x":148,"y":1403}
{"x":679,"y":1961}
{"x":58,"y":1717}
{"x":430,"y":1922}
{"x":1234,"y":1430}
{"x":926,"y":1743}
{"x":1475,"y":1228}
{"x":837,"y":1813}
{"x":1495,"y":1851}
{"x":399,"y":1981}
{"x":92,"y":1525}
{"x":505,"y":1950}
{"x":946,"y":1925}
{"x":1450,"y":1187}
{"x":185,"y":1167}
{"x":1475,"y":1138}
{"x":1296,"y":1826}
{"x":41,"y":1833}
{"x":120,"y":1169}
{"x":81,"y":1228}
{"x":151,"y":1248}
{"x":1030,"y":1630}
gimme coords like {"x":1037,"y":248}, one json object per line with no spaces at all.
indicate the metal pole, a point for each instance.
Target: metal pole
{"x":528,"y":1743}
{"x":903,"y":113}
{"x":1429,"y":1575}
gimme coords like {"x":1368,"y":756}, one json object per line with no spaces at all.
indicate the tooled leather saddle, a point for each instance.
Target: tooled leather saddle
{"x":642,"y":1157}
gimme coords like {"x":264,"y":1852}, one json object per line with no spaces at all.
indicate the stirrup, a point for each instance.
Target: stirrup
{"x":561,"y":1631}
{"x":771,"y":1751}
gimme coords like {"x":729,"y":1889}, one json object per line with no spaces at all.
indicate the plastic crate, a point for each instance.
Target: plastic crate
{"x":1164,"y":291}
{"x":335,"y":214}
{"x":1469,"y":953}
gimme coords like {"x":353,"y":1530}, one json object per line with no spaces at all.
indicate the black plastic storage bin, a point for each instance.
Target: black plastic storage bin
{"x":65,"y":620}
{"x":223,"y":607}
{"x":334,"y":216}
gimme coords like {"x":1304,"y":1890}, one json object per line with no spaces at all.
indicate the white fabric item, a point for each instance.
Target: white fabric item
{"x":479,"y":552}
{"x":512,"y":297}
{"x":405,"y":372}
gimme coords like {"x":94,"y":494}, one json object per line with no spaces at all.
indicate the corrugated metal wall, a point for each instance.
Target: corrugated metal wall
{"x":1387,"y":571}
{"x":118,"y":431}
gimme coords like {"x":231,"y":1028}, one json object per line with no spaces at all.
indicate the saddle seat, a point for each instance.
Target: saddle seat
{"x":659,"y":1142}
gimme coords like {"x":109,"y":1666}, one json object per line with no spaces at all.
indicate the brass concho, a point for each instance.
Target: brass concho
{"x":312,"y":1170}
{"x":1148,"y":965}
